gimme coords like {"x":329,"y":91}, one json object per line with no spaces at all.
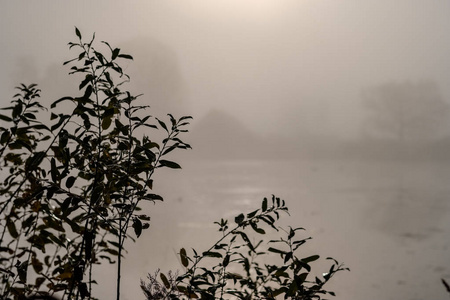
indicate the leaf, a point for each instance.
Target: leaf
{"x":22,"y":270}
{"x":5,"y":118}
{"x":164,"y":280}
{"x":303,"y":265}
{"x":108,"y":78}
{"x":274,"y":250}
{"x":80,"y":57}
{"x":137,"y":226}
{"x":255,"y":228}
{"x":114,"y":55}
{"x":288,"y":257}
{"x":54,"y":170}
{"x":5,"y":137}
{"x":40,"y":126}
{"x":106,"y":123}
{"x":184,"y":259}
{"x":446,"y":285}
{"x":185,"y":117}
{"x":83,"y":289}
{"x":293,"y":288}
{"x":85,"y":81}
{"x":172,"y":119}
{"x":239,"y":219}
{"x":252,"y":214}
{"x":12,"y":229}
{"x":310,"y":258}
{"x":144,"y":217}
{"x":212,"y":254}
{"x":99,"y":57}
{"x":88,"y":92}
{"x":37,"y":264}
{"x":126,"y":56}
{"x":152,"y":197}
{"x":226,"y":260}
{"x":70,"y":181}
{"x":60,"y":122}
{"x":299,"y":279}
{"x":291,"y":233}
{"x":247,"y":240}
{"x":17,"y":110}
{"x":35,"y":160}
{"x":71,"y":60}
{"x":281,"y":271}
{"x":53,"y":105}
{"x":269,"y":220}
{"x":30,"y":116}
{"x":169,"y":164}
{"x":39,"y":281}
{"x":264,"y":205}
{"x":171,"y":148}
{"x":162,"y":125}
{"x":330,"y":258}
{"x":77,"y":32}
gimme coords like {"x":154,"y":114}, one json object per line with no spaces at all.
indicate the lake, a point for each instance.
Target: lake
{"x":389,"y":222}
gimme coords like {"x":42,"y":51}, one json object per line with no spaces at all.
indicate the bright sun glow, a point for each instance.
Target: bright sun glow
{"x":251,"y":10}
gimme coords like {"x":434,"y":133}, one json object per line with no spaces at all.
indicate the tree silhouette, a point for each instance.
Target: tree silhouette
{"x":405,"y":111}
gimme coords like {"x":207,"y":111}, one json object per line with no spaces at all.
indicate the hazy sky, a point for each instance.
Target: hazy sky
{"x":280,"y":66}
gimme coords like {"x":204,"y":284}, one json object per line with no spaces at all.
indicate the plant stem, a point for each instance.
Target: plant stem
{"x":119,"y":262}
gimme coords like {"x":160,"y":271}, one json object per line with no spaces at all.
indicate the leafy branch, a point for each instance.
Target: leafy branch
{"x":235,"y":251}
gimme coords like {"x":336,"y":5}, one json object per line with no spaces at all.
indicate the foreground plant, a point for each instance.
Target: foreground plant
{"x":236,"y":267}
{"x":70,"y":191}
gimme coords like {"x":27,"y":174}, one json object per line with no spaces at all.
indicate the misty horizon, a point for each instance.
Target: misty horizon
{"x":271,"y":69}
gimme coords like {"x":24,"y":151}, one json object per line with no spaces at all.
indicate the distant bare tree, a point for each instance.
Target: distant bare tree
{"x":405,"y":111}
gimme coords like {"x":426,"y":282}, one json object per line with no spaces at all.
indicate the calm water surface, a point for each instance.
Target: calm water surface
{"x":388,"y":221}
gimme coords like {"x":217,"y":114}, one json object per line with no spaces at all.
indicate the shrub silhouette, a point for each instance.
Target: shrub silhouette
{"x":71,"y":190}
{"x":234,"y":266}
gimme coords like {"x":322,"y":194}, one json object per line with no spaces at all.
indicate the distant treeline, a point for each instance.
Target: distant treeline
{"x":321,"y":148}
{"x":395,"y":150}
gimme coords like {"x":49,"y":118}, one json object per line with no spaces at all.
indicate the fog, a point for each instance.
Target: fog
{"x":286,"y":67}
{"x":341,"y":81}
